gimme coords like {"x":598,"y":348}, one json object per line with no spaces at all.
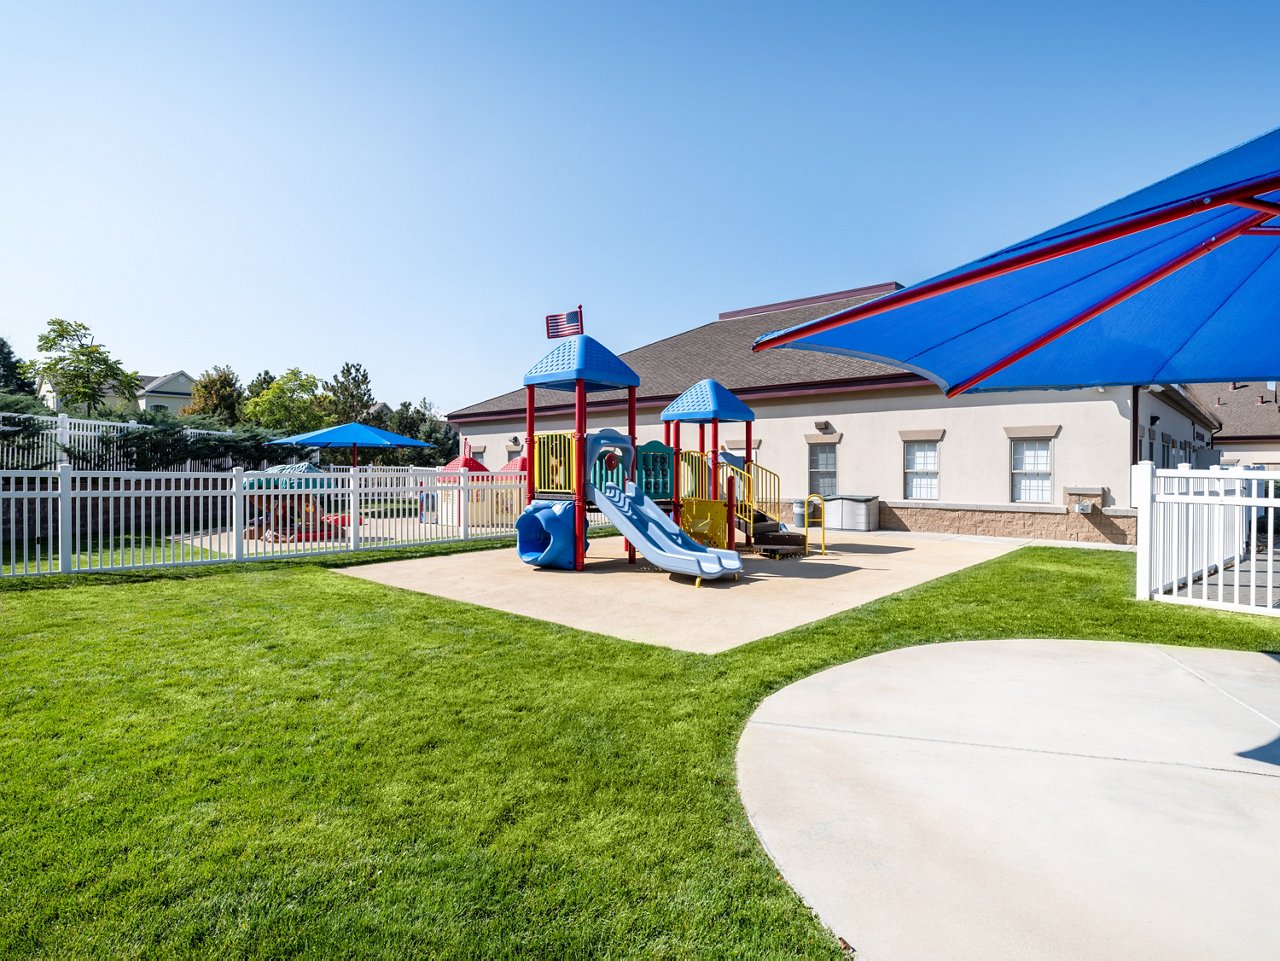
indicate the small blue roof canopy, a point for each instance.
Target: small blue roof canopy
{"x":344,"y":435}
{"x":705,"y":401}
{"x":581,"y":358}
{"x":1176,"y":283}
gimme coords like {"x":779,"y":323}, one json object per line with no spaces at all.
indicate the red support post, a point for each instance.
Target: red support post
{"x":675,"y":474}
{"x":1117,"y":297}
{"x":355,"y":459}
{"x":715,"y":458}
{"x":530,"y":439}
{"x":702,"y":438}
{"x":666,"y":432}
{"x":729,"y":514}
{"x":746,"y":465}
{"x":631,"y":432}
{"x":580,"y":472}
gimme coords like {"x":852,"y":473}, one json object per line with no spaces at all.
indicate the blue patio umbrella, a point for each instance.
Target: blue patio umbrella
{"x":353,"y":435}
{"x":1176,"y":283}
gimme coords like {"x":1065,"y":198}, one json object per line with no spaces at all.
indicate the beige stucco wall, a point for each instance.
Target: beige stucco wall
{"x":1252,"y":454}
{"x":1090,"y":450}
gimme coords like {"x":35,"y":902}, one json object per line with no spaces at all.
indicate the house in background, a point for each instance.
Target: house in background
{"x":1250,"y":416}
{"x":158,"y":392}
{"x":1051,"y":464}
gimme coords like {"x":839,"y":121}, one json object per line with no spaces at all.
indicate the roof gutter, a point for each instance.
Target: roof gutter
{"x":767,"y":392}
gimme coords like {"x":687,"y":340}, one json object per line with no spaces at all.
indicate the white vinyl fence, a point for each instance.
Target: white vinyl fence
{"x":1206,"y":537}
{"x":60,"y":434}
{"x":69,"y":521}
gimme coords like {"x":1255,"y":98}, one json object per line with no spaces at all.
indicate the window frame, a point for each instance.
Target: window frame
{"x":909,"y":472}
{"x":1015,"y":473}
{"x":834,"y":471}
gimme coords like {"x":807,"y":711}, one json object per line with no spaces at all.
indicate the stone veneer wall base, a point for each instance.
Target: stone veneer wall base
{"x":1097,"y":526}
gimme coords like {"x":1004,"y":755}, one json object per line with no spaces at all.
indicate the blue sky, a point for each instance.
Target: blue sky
{"x":412,"y":186}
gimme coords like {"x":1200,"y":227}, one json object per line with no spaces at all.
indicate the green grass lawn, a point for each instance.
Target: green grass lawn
{"x":275,"y":759}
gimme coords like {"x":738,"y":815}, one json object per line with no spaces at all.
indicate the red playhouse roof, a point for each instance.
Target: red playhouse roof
{"x":466,"y":462}
{"x":520,"y":463}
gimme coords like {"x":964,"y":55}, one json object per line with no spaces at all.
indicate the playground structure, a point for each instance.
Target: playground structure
{"x":682,"y":510}
{"x":718,"y":494}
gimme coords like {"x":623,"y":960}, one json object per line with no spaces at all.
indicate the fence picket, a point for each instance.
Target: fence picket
{"x":1198,"y":527}
{"x":64,"y":520}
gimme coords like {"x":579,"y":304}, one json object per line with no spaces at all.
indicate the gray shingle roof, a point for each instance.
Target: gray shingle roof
{"x":1236,"y":405}
{"x":722,"y":350}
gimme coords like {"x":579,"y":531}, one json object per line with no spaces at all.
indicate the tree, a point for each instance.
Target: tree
{"x":259,"y":384}
{"x":217,"y":393}
{"x":421,"y":421}
{"x":12,"y":378}
{"x":81,"y":371}
{"x":20,"y":436}
{"x":349,"y":394}
{"x":292,"y":404}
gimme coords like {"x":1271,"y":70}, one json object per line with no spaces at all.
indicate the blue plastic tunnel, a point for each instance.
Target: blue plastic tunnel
{"x":544,"y":535}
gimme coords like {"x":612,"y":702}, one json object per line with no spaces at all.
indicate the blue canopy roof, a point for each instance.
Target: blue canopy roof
{"x":1178,"y":282}
{"x":581,"y":358}
{"x":344,"y":435}
{"x":705,"y":401}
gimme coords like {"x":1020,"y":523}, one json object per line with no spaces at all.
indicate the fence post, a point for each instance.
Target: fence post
{"x":1142,"y":485}
{"x":464,"y":493}
{"x":237,"y":514}
{"x":66,"y":519}
{"x":64,"y":439}
{"x":353,"y":528}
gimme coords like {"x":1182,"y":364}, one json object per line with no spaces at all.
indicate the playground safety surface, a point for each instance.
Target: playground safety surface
{"x":641,"y":603}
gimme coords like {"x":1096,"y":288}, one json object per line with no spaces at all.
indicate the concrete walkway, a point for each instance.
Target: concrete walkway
{"x":642,"y":603}
{"x":1045,"y":800}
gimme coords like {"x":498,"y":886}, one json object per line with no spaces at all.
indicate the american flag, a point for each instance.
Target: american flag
{"x":565,"y":325}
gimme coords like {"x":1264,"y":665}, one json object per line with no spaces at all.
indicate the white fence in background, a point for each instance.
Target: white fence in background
{"x":61,"y":433}
{"x":1207,"y":537}
{"x":69,"y":521}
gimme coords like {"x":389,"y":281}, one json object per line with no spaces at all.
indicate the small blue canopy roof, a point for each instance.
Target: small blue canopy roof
{"x":1176,"y":283}
{"x":344,"y":435}
{"x":581,"y":358}
{"x":705,"y":401}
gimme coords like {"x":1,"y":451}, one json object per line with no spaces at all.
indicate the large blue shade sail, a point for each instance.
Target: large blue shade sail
{"x":1179,"y":282}
{"x":705,"y":401}
{"x":354,"y":434}
{"x":581,"y":358}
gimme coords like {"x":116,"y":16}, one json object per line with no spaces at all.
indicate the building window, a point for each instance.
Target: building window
{"x":1032,"y":471}
{"x":822,"y":469}
{"x":920,"y":470}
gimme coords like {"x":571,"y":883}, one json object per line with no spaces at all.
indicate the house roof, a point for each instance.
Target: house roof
{"x":1248,"y":411}
{"x":722,"y":350}
{"x":151,"y":382}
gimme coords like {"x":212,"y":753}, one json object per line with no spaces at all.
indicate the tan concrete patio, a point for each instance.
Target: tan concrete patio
{"x":642,"y":603}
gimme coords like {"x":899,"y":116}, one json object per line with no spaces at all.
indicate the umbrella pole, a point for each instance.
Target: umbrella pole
{"x":354,"y":461}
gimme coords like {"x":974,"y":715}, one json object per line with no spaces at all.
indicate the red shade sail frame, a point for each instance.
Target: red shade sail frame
{"x":1243,"y":196}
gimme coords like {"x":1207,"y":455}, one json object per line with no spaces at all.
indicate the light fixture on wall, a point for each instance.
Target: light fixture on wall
{"x":822,"y":426}
{"x":1155,"y":419}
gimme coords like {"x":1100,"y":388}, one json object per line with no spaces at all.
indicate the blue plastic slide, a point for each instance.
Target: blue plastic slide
{"x":544,"y":534}
{"x":655,"y":536}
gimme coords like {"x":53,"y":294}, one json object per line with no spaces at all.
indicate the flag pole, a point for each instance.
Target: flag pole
{"x":582,"y":320}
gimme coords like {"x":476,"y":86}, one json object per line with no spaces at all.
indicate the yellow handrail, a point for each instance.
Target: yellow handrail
{"x":743,"y":502}
{"x":822,"y":517}
{"x":553,"y":462}
{"x":766,"y":489}
{"x":695,"y":475}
